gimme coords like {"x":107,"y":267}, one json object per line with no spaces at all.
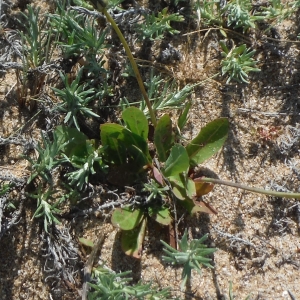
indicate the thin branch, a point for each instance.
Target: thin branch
{"x":89,"y":265}
{"x":250,"y":189}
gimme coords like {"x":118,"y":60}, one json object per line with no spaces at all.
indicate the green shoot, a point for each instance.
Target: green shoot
{"x":110,"y":285}
{"x":237,"y":63}
{"x":47,"y":159}
{"x":101,"y":6}
{"x":192,"y":256}
{"x":239,"y":16}
{"x":154,"y":27}
{"x":44,"y":208}
{"x":75,"y":98}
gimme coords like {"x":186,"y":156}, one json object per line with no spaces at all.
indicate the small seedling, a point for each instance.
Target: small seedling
{"x":75,"y":98}
{"x":48,"y":159}
{"x":36,"y":51}
{"x":154,"y":27}
{"x":277,"y":11}
{"x":191,"y":255}
{"x":208,"y":12}
{"x":116,"y":286}
{"x":237,"y":63}
{"x":80,"y":152}
{"x":238,"y":13}
{"x":44,"y":208}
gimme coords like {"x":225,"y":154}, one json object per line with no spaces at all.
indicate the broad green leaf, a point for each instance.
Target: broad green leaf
{"x":126,"y":218}
{"x":72,"y":135}
{"x":86,"y":242}
{"x":120,"y":143}
{"x":179,"y":183}
{"x":136,"y":121}
{"x":210,"y":139}
{"x":177,"y":162}
{"x":190,"y":188}
{"x":183,"y":189}
{"x":132,"y":240}
{"x":111,"y":136}
{"x":163,"y":137}
{"x":193,"y":207}
{"x":137,"y":158}
{"x":160,"y":215}
{"x":184,"y":116}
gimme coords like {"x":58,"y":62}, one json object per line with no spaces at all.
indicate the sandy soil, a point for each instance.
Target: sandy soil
{"x":257,"y":237}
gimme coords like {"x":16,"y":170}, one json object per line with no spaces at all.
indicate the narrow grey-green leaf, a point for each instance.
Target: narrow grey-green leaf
{"x":184,"y":116}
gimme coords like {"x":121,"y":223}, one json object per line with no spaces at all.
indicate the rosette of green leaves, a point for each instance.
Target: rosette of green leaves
{"x":237,"y":63}
{"x":191,"y":255}
{"x":75,"y":98}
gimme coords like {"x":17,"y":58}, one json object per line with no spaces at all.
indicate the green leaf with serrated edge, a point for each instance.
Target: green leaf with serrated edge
{"x":72,"y":135}
{"x":86,"y":242}
{"x":160,"y":215}
{"x":184,"y":116}
{"x":132,"y":240}
{"x":177,"y":162}
{"x":210,"y":139}
{"x":126,"y":218}
{"x":163,"y":137}
{"x":136,"y":121}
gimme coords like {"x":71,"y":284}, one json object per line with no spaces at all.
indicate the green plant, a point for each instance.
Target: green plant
{"x":277,"y":10}
{"x":154,"y":27}
{"x":47,"y":160}
{"x":37,"y":50}
{"x":45,"y":208}
{"x":191,"y":255}
{"x":82,"y":153}
{"x":36,"y":42}
{"x":112,"y":286}
{"x":78,"y":34}
{"x":295,"y":4}
{"x":238,"y":13}
{"x":237,"y":62}
{"x":125,"y":149}
{"x":75,"y":98}
{"x":208,"y":12}
{"x":4,"y":188}
{"x":163,"y":95}
{"x":154,"y":189}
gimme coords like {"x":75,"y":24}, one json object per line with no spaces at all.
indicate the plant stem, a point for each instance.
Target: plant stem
{"x":101,"y":7}
{"x":251,"y":189}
